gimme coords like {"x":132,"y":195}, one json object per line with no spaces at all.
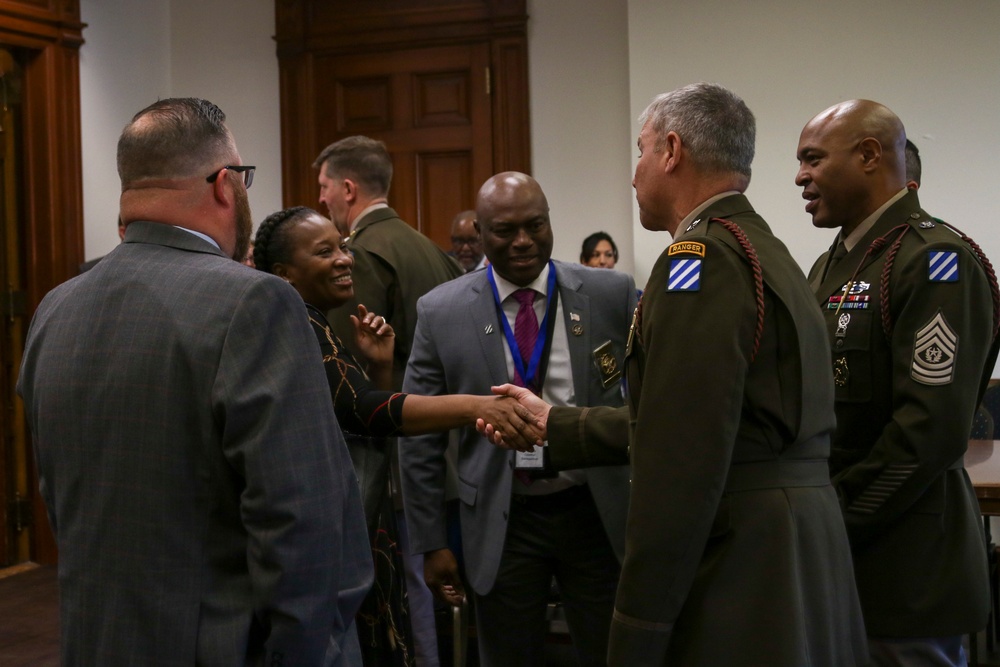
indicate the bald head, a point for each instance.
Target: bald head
{"x":513,"y":219}
{"x":858,"y":120}
{"x":851,"y":161}
{"x":505,"y":189}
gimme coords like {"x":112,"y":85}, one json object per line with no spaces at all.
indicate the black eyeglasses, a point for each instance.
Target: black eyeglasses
{"x":245,"y":169}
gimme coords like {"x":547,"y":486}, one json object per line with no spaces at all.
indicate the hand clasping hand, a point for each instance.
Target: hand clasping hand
{"x":529,"y":409}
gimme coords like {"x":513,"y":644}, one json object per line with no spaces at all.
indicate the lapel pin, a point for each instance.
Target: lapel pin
{"x":574,"y":317}
{"x":577,"y":329}
{"x":488,"y":329}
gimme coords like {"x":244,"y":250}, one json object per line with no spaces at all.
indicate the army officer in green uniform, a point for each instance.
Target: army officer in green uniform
{"x":912,"y":326}
{"x":736,"y":552}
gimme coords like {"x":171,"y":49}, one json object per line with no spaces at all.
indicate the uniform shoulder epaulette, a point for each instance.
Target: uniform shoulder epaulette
{"x":942,"y":262}
{"x":756,"y":273}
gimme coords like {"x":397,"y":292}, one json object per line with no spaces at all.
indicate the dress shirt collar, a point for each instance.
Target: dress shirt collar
{"x":869,"y":222}
{"x":690,"y":217}
{"x":372,"y":207}
{"x":505,"y":288}
{"x":200,"y":235}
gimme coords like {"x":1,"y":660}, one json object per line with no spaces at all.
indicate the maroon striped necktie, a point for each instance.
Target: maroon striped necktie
{"x":525,"y":329}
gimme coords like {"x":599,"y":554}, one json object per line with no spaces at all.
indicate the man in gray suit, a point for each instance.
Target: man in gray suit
{"x":203,"y":502}
{"x":560,"y":330}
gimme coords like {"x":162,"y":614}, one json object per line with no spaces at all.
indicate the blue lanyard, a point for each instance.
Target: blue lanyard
{"x":527,"y":377}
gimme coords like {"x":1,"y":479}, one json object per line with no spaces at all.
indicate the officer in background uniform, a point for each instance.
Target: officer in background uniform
{"x":910,"y":308}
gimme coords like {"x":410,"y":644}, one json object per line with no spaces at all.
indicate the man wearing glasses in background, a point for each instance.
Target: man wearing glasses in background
{"x":198,"y":486}
{"x":466,"y":245}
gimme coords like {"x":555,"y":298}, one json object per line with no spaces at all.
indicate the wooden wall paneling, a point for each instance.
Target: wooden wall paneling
{"x":47,"y":35}
{"x":299,"y":109}
{"x":422,"y":76}
{"x":444,"y":187}
{"x":512,"y":125}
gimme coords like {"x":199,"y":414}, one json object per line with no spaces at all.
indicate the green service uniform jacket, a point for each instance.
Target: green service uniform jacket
{"x":394,"y":265}
{"x":904,"y":404}
{"x":736,"y":552}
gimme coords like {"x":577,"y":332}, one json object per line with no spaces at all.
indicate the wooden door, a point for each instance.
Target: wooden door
{"x":432,"y":109}
{"x":444,"y":86}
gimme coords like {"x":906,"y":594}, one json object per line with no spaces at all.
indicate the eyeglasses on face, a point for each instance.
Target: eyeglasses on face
{"x":245,"y":169}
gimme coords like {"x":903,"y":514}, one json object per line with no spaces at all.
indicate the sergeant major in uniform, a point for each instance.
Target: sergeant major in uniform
{"x":911,"y":310}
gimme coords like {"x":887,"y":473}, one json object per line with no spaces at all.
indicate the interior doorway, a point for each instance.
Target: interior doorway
{"x":432,"y":108}
{"x":444,"y":86}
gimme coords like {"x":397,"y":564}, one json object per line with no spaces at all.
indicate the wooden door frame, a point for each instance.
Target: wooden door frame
{"x":51,"y":33}
{"x":305,"y":28}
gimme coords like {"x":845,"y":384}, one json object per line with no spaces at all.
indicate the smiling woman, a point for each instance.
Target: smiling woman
{"x":306,"y":250}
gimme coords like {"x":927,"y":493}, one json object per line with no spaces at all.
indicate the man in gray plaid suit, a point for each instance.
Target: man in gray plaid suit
{"x":204,"y":505}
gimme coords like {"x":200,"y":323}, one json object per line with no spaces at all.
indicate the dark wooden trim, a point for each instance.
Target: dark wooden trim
{"x":511,"y":115}
{"x":48,"y":35}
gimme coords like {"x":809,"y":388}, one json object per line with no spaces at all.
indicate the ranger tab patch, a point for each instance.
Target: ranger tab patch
{"x":685,"y":275}
{"x":688,"y":247}
{"x":935,"y":347}
{"x":942,"y":266}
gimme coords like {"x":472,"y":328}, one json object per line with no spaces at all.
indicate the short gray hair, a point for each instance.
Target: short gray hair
{"x":714,"y":124}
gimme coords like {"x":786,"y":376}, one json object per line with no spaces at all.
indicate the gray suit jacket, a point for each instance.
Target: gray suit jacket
{"x":203,"y":502}
{"x":458,"y":348}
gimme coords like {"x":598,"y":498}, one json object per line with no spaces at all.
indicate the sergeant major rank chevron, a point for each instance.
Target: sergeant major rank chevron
{"x":935,"y":348}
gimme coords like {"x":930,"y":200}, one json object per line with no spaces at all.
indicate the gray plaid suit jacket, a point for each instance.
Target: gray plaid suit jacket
{"x":455,"y":352}
{"x":203,"y":501}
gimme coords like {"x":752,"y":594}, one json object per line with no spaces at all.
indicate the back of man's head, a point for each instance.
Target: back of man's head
{"x":364,"y":160}
{"x":714,"y":124}
{"x":174,"y":139}
{"x":913,"y":167}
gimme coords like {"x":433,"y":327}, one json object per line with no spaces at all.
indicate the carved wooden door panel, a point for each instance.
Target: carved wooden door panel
{"x":431,"y":106}
{"x":444,"y":84}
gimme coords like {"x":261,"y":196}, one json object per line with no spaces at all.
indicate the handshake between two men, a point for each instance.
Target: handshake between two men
{"x":577,"y":437}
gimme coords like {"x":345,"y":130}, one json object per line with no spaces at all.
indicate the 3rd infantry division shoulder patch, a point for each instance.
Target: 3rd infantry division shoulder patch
{"x":942,"y":266}
{"x":685,"y":275}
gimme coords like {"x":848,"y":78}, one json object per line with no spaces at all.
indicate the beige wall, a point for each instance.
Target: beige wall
{"x":937,"y":65}
{"x":138,"y":51}
{"x":594,"y":65}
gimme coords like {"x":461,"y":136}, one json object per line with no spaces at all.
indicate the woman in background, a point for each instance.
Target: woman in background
{"x":306,"y":250}
{"x":599,"y":251}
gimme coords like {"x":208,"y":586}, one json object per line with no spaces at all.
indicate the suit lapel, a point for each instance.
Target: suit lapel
{"x":486,"y":324}
{"x":575,"y":305}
